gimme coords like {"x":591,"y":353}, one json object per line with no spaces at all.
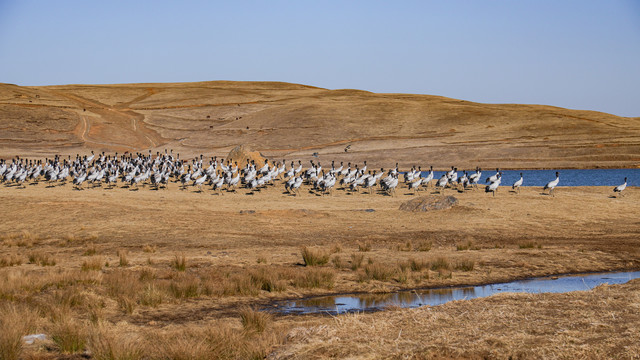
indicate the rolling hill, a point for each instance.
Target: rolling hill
{"x":291,"y":121}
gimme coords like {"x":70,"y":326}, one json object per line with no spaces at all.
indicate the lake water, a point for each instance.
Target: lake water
{"x":409,"y":299}
{"x":568,"y":177}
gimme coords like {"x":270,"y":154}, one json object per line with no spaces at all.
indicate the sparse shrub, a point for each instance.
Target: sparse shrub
{"x":465,"y":265}
{"x":122,"y":258}
{"x":440,"y":263}
{"x":254,"y":320}
{"x":314,"y":258}
{"x":93,"y":263}
{"x":356,"y":261}
{"x":179,"y":263}
{"x":364,"y":246}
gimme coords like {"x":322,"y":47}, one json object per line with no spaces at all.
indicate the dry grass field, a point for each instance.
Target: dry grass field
{"x":186,"y":270}
{"x":293,"y":121}
{"x":126,"y":273}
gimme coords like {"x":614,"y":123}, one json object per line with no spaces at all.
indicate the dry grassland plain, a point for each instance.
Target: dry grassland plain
{"x":180,"y":274}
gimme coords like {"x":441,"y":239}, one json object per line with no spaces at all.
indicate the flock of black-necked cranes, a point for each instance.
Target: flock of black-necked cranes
{"x":157,"y":171}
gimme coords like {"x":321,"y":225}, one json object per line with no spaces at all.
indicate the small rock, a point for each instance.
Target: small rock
{"x":428,"y":203}
{"x":30,"y":339}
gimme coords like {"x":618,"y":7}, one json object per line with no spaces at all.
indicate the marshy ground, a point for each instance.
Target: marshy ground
{"x":155,"y":273}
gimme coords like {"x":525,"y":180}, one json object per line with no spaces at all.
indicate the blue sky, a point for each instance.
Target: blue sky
{"x":575,"y":54}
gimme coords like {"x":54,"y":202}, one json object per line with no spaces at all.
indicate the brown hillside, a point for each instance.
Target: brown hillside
{"x":291,"y":121}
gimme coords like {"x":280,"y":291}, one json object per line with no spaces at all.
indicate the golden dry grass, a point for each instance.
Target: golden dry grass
{"x":223,"y":267}
{"x":294,"y":121}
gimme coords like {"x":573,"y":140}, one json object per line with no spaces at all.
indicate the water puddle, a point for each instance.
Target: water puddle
{"x":408,"y":299}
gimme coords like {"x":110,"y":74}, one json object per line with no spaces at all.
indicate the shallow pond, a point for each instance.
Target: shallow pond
{"x":376,"y":302}
{"x":568,"y":177}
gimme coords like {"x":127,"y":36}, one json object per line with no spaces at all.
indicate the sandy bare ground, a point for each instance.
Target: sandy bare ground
{"x":290,"y":121}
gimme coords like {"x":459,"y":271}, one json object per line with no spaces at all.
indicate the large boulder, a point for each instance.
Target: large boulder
{"x":242,"y":153}
{"x":428,"y":203}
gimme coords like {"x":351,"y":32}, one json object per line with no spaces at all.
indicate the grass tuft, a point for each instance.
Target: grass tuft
{"x":440,"y":263}
{"x":92,"y":263}
{"x":315,"y":278}
{"x":10,"y":260}
{"x":364,"y":246}
{"x":91,"y":250}
{"x":356,"y":261}
{"x":15,"y":322}
{"x":314,"y":257}
{"x":40,"y":258}
{"x":424,"y":246}
{"x":122,"y":258}
{"x":107,"y":344}
{"x":418,"y":265}
{"x":527,"y":245}
{"x":378,"y":271}
{"x":254,"y":320}
{"x":68,"y":334}
{"x":465,"y":265}
{"x":179,"y":263}
{"x":337,"y":262}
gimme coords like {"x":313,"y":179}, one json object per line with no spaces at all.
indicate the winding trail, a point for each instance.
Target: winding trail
{"x":119,"y":114}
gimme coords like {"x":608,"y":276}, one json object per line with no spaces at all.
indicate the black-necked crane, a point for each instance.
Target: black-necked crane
{"x":494,"y":177}
{"x":200,"y":181}
{"x":296,"y":185}
{"x":427,"y":180}
{"x":475,"y":178}
{"x":442,"y":183}
{"x":620,"y":188}
{"x":493,"y":187}
{"x":516,"y":185}
{"x":415,"y":185}
{"x":552,"y":184}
